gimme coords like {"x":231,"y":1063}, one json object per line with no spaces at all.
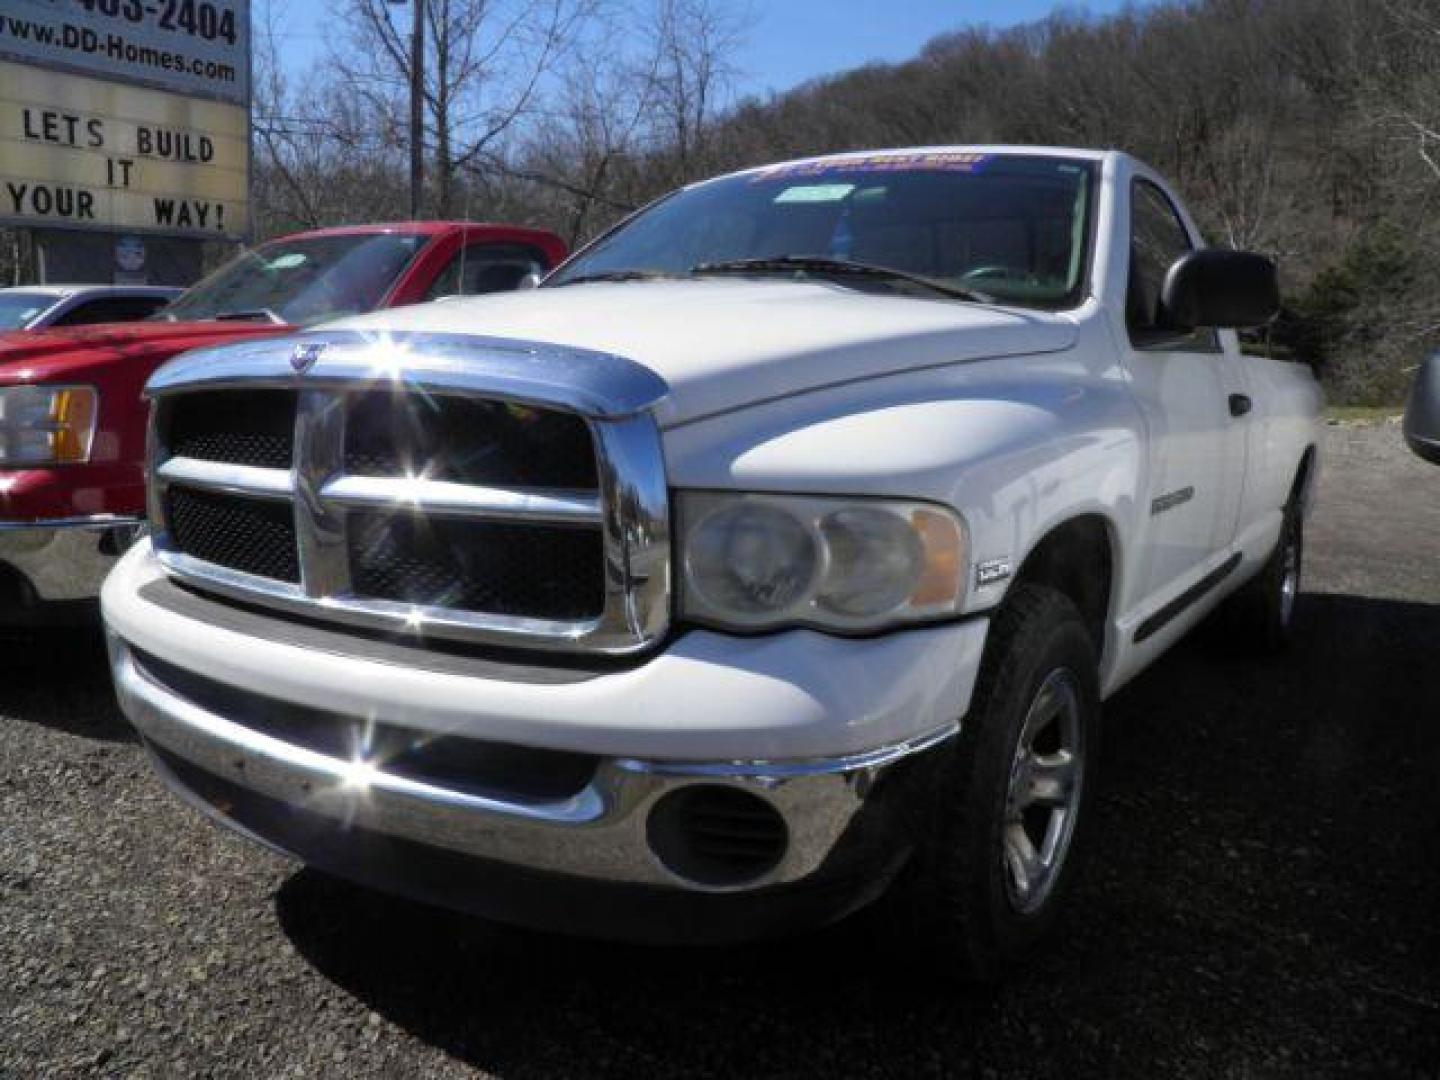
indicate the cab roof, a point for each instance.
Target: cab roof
{"x":422,"y":228}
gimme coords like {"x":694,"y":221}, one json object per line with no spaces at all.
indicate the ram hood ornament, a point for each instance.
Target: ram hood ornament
{"x":304,"y":355}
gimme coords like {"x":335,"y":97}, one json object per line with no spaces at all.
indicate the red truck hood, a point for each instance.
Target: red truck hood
{"x":58,"y":355}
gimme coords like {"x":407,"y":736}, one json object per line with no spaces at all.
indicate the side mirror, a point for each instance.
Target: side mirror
{"x":1422,"y":414}
{"x":1220,"y":288}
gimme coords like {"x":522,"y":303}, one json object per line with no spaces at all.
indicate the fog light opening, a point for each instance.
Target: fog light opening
{"x":716,"y":836}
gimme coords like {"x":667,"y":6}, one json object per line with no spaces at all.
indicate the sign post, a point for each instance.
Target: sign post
{"x":125,"y":117}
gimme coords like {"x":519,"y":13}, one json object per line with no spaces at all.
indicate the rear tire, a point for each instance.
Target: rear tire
{"x":1008,"y":799}
{"x":1259,"y":619}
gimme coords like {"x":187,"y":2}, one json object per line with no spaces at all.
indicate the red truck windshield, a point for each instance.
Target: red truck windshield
{"x":302,"y":281}
{"x":18,"y":308}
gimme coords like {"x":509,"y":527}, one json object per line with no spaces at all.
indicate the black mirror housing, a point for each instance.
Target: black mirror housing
{"x":1422,"y":414}
{"x":1224,"y":289}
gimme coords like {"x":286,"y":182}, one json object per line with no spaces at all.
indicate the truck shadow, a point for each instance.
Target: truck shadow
{"x":61,"y":680}
{"x":1256,"y":899}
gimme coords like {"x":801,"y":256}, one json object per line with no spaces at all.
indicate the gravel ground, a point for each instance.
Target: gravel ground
{"x":1261,"y":900}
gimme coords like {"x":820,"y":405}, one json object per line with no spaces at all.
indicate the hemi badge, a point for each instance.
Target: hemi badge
{"x":988,"y":573}
{"x":1171,"y":501}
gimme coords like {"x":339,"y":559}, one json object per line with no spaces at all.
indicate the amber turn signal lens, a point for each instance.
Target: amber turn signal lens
{"x":73,"y":413}
{"x":944,"y":545}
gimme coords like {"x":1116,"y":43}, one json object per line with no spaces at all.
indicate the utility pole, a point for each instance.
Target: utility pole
{"x":417,"y":107}
{"x":417,"y":102}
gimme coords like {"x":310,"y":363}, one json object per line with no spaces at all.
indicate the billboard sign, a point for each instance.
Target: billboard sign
{"x":126,"y":151}
{"x":195,"y":47}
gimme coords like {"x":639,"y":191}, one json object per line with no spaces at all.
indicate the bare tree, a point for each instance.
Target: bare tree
{"x":591,"y":138}
{"x":1405,"y":82}
{"x":628,"y":124}
{"x":692,"y":44}
{"x":486,"y":64}
{"x":283,"y":141}
{"x":321,"y":157}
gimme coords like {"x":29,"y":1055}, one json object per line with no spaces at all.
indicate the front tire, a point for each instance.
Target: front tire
{"x":1010,"y":799}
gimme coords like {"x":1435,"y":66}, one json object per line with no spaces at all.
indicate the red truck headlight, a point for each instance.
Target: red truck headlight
{"x":47,"y":425}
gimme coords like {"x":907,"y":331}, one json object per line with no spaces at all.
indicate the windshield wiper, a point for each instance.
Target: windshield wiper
{"x":249,"y":313}
{"x":821,"y":266}
{"x":618,"y":275}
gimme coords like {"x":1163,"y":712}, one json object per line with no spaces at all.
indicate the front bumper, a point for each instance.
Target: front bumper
{"x":48,"y":568}
{"x":204,"y":686}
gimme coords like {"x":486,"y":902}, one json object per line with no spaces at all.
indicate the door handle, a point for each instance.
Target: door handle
{"x":1240,"y":404}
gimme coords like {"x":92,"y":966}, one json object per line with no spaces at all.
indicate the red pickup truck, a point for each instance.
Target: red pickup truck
{"x":72,"y":422}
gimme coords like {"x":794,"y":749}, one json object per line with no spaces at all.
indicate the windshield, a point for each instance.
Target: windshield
{"x":1009,"y":227}
{"x":302,"y":281}
{"x":18,"y":308}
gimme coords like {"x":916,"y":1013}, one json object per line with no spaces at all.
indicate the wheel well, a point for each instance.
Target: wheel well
{"x":1076,"y":559}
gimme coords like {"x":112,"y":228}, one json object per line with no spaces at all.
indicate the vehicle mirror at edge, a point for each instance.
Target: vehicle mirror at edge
{"x":1422,"y":414}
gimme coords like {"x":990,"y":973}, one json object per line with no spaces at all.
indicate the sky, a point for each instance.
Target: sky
{"x":788,"y":42}
{"x":796,"y":40}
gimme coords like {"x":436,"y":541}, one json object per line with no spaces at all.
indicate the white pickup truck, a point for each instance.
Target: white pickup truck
{"x":772,"y":558}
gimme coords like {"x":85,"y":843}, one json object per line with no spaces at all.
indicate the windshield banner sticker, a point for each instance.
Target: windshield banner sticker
{"x":936,"y":161}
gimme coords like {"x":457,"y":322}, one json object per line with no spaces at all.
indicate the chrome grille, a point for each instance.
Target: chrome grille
{"x":554,"y":572}
{"x":497,"y":492}
{"x":244,"y":428}
{"x":468,"y":441}
{"x":253,"y":536}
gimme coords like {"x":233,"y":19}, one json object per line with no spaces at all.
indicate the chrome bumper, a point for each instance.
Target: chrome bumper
{"x":599,"y":833}
{"x":66,"y":559}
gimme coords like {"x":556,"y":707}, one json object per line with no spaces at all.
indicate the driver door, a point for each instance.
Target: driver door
{"x":1187,"y":382}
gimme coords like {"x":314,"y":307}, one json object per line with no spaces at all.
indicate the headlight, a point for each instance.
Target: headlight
{"x":764,"y":561}
{"x":46,"y":425}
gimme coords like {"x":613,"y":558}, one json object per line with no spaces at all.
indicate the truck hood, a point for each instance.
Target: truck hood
{"x":721,"y":344}
{"x":54,"y":355}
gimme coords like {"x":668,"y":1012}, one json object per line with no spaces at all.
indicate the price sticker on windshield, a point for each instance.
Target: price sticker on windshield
{"x":814,"y":193}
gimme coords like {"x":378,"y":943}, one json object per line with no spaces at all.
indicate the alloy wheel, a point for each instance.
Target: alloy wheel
{"x":1042,"y":797}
